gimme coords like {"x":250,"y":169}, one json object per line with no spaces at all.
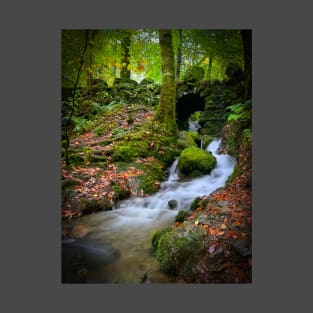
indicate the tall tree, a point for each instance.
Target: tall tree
{"x":179,"y":53}
{"x":247,"y":46}
{"x":125,"y":55}
{"x":81,"y":64}
{"x":166,"y":112}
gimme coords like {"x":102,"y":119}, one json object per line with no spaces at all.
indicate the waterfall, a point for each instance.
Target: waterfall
{"x":128,"y":228}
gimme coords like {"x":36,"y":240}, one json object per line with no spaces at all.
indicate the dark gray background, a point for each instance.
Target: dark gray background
{"x":30,"y":155}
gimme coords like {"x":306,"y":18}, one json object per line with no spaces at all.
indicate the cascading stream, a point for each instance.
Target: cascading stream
{"x":117,"y":247}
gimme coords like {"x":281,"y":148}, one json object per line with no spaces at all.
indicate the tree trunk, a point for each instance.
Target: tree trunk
{"x":166,"y":112}
{"x":247,"y":46}
{"x":210,"y":68}
{"x":91,"y":47}
{"x":125,"y":56}
{"x":114,"y":66}
{"x":178,"y":64}
{"x":89,"y":73}
{"x":67,"y":136}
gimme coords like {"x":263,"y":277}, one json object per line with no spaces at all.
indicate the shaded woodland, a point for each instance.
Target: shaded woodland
{"x":133,"y":103}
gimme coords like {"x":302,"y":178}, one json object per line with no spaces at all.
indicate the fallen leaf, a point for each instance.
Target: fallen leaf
{"x":212,"y":231}
{"x":223,"y":226}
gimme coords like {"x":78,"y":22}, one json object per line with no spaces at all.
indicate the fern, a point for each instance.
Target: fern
{"x":239,"y":111}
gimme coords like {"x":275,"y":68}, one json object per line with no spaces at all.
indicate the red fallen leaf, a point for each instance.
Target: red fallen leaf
{"x":212,"y":231}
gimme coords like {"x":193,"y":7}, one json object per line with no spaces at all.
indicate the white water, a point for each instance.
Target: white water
{"x":128,"y":228}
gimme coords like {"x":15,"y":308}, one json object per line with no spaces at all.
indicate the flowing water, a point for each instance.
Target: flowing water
{"x":117,"y":247}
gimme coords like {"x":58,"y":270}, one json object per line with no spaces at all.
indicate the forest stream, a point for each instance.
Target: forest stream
{"x":117,"y":247}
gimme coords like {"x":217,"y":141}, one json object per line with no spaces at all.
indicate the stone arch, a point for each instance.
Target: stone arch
{"x":185,"y":106}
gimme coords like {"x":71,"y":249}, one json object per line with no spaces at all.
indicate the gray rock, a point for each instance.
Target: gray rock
{"x":172,"y":204}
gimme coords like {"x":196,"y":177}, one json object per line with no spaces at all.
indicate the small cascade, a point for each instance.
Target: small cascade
{"x":118,"y":242}
{"x":201,"y":142}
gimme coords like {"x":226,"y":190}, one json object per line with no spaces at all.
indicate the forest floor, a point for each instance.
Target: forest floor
{"x":105,"y":174}
{"x":98,"y":181}
{"x":226,"y":216}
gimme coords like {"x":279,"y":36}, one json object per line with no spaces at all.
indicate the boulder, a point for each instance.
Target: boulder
{"x":172,"y":204}
{"x":194,"y":162}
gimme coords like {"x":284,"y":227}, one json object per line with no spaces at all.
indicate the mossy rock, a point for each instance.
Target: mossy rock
{"x":195,"y":162}
{"x":188,"y":139}
{"x":129,"y":151}
{"x":178,"y":249}
{"x":195,"y":204}
{"x":156,"y":235}
{"x":206,"y":140}
{"x":199,"y":202}
{"x":181,"y":216}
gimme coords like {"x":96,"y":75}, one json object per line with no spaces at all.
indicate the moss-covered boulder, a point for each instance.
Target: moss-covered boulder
{"x":195,"y":162}
{"x":177,"y":249}
{"x":188,"y":139}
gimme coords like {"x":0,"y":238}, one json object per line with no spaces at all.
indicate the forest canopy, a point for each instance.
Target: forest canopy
{"x":105,"y":58}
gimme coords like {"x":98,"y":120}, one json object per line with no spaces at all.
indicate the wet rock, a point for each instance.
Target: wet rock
{"x":172,"y":204}
{"x":79,"y":231}
{"x":242,"y":247}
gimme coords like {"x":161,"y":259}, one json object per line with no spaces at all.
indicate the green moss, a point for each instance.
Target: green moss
{"x":120,"y":193}
{"x":153,"y":173}
{"x":236,"y":172}
{"x":124,"y":152}
{"x":206,"y":139}
{"x":188,"y":139}
{"x":199,"y":202}
{"x":75,"y":159}
{"x":156,"y":235}
{"x":195,"y":204}
{"x":196,"y":116}
{"x":99,"y":130}
{"x":194,"y":162}
{"x":177,"y":250}
{"x":181,"y":216}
